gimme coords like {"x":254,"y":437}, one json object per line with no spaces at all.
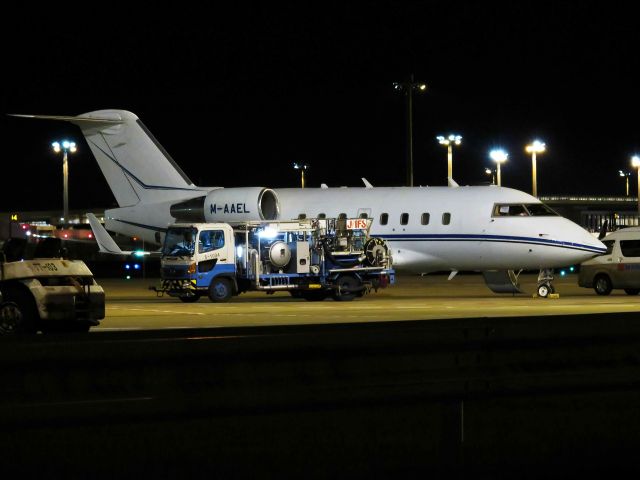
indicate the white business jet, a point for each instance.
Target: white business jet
{"x":491,"y":229}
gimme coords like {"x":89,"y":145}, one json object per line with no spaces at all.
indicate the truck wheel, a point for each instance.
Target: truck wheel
{"x":602,"y":285}
{"x":632,"y":291}
{"x":346,"y":290}
{"x":220,"y":290}
{"x":21,"y":315}
{"x":190,"y":298}
{"x":10,"y":318}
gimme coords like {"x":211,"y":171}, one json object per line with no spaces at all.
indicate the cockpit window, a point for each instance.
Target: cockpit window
{"x":522,"y":210}
{"x":516,"y":210}
{"x":540,"y":210}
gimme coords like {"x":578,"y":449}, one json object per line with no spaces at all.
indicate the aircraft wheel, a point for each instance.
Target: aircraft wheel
{"x":632,"y":291}
{"x":220,"y":290}
{"x":545,"y":289}
{"x":602,"y":285}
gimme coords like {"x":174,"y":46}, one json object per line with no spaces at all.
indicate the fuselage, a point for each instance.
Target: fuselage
{"x":459,"y":228}
{"x":428,"y":228}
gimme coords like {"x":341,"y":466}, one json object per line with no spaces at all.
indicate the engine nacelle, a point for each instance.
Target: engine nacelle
{"x":229,"y":205}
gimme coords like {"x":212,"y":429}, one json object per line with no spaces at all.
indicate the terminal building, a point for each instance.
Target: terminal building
{"x":592,"y":211}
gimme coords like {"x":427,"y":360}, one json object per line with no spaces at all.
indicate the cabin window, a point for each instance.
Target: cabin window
{"x":342,"y":216}
{"x":322,"y":215}
{"x":446,"y":218}
{"x":302,"y":216}
{"x":424,"y":219}
{"x":630,"y":248}
{"x":404,"y":219}
{"x":384,"y":218}
{"x":364,"y":215}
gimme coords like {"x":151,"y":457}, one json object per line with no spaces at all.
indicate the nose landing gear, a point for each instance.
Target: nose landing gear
{"x":545,"y":285}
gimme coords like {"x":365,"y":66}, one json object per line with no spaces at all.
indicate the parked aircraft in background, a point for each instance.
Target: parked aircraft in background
{"x":491,"y":229}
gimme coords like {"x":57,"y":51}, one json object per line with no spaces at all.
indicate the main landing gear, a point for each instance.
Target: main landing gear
{"x":545,"y":285}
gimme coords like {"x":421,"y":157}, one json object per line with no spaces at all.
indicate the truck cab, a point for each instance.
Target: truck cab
{"x":194,"y":254}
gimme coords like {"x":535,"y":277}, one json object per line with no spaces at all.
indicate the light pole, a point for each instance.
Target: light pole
{"x":536,"y":147}
{"x":499,"y":156}
{"x":626,"y":176}
{"x":635,"y":162}
{"x":492,"y":174}
{"x":407,"y":88}
{"x":302,"y":167}
{"x":65,"y":146}
{"x":449,"y":142}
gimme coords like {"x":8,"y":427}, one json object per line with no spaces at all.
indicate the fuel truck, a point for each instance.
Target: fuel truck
{"x":309,"y":258}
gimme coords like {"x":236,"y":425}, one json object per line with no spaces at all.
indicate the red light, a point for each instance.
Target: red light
{"x":135,"y":239}
{"x":66,"y":236}
{"x":90,"y":236}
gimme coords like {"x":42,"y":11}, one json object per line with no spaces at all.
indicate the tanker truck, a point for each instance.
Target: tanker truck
{"x":310,"y":258}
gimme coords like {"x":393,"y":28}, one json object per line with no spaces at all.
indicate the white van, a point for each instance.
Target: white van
{"x":619,"y":267}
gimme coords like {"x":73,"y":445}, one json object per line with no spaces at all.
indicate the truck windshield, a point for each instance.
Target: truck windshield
{"x":179,"y":241}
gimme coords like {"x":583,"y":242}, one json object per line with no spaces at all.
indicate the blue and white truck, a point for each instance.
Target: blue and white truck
{"x":310,"y":258}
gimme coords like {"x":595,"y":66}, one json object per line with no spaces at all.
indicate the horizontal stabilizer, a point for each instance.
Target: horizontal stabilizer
{"x":79,"y":119}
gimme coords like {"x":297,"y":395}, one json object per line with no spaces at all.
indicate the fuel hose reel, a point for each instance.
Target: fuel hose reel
{"x":376,"y":251}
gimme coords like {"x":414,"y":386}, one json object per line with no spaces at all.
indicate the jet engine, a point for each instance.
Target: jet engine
{"x":229,"y":205}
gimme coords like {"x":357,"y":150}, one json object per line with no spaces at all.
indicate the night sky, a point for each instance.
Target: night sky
{"x":237,"y":95}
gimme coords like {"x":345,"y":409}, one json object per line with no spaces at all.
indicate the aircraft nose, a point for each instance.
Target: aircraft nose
{"x":591,"y":245}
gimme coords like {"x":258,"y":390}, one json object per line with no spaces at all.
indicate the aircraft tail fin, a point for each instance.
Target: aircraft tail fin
{"x":104,"y":240}
{"x":134,"y":164}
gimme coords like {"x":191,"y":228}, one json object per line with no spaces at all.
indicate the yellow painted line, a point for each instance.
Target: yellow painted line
{"x":155,"y":310}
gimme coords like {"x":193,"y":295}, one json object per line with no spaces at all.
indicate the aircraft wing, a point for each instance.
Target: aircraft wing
{"x":105,"y":242}
{"x":108,"y":244}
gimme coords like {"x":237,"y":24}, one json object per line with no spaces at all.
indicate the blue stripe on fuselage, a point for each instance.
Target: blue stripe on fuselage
{"x":407,"y":237}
